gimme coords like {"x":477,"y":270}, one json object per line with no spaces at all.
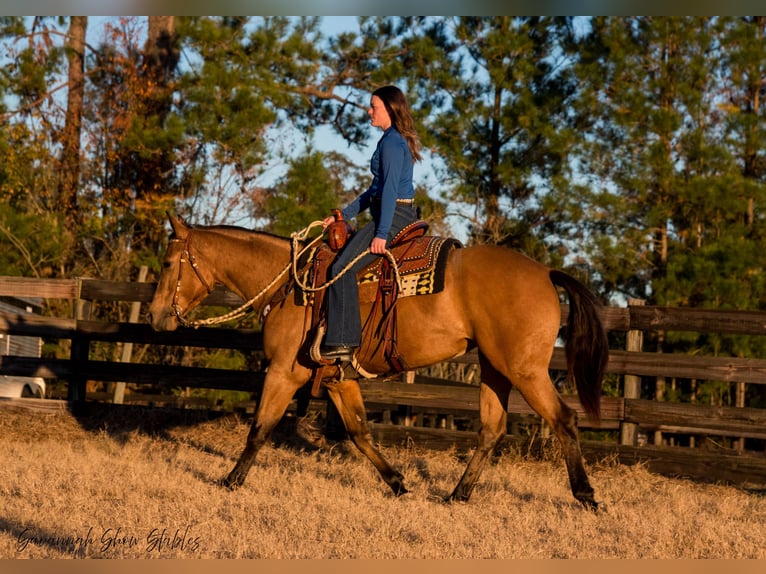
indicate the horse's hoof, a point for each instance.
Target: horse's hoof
{"x":590,"y":504}
{"x":396,"y":483}
{"x":400,"y":490}
{"x":230,"y":483}
{"x":397,"y":486}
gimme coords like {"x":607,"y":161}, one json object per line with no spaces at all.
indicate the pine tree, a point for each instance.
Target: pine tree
{"x":311,"y":188}
{"x":744,"y":118}
{"x":33,"y":238}
{"x":253,"y":75}
{"x":641,"y":106}
{"x":492,"y":93}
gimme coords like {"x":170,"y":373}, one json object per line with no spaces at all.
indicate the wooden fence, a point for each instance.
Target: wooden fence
{"x":420,"y":410}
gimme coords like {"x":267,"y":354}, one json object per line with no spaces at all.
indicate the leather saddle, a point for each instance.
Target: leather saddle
{"x":420,"y":260}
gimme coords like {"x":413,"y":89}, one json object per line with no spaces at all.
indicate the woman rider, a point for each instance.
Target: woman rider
{"x":390,"y":201}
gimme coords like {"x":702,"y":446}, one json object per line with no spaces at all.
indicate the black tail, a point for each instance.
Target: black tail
{"x":587,"y":348}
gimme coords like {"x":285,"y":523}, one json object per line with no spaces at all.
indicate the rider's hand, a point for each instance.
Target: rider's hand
{"x":378,"y":246}
{"x":327,"y":221}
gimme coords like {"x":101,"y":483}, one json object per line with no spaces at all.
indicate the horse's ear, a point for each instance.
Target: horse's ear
{"x":179,"y":227}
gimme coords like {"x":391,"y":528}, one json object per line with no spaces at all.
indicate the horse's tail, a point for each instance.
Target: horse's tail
{"x":587,"y":348}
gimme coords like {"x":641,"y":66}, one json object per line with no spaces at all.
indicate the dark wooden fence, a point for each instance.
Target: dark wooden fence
{"x":427,"y":411}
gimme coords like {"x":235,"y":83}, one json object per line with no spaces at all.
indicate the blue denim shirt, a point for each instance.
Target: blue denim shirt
{"x":391,"y":167}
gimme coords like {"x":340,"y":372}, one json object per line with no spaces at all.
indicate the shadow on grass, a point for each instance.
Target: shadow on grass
{"x":121,"y":422}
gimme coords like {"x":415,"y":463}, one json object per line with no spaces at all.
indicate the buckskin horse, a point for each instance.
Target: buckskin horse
{"x":494,"y":299}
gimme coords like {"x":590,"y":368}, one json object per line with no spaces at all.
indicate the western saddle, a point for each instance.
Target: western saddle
{"x":420,"y":262}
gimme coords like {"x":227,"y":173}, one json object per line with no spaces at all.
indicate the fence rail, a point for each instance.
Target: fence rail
{"x":434,"y":403}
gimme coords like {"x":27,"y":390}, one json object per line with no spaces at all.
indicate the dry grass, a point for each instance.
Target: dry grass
{"x":101,"y":487}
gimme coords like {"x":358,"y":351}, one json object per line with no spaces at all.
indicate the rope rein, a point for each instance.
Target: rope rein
{"x":301,"y":235}
{"x":296,"y":237}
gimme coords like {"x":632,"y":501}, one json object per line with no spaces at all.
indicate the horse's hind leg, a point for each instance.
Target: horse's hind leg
{"x":493,"y":409}
{"x":348,"y":400}
{"x":275,"y":399}
{"x":541,"y":395}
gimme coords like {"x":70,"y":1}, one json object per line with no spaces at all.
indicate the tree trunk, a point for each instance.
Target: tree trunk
{"x":66,"y":197}
{"x":159,"y":63}
{"x":752,"y":166}
{"x":160,"y":50}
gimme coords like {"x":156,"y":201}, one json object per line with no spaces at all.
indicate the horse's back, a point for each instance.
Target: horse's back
{"x":490,"y":293}
{"x":491,"y":272}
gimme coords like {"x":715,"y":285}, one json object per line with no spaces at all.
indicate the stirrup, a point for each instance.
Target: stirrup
{"x":314,"y":350}
{"x":327,"y":358}
{"x":344,"y":353}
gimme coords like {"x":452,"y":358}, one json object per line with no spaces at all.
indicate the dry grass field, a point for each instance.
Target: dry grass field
{"x":144,"y":486}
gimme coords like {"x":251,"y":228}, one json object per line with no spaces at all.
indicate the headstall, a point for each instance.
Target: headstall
{"x":187,"y":257}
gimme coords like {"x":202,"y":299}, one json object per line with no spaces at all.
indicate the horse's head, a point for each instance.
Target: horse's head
{"x":183,"y":283}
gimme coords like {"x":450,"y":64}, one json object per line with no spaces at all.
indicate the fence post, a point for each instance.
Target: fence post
{"x":634,"y":342}
{"x":79,"y":353}
{"x":660,"y":385}
{"x":409,"y":378}
{"x":127,"y":348}
{"x":739,"y":398}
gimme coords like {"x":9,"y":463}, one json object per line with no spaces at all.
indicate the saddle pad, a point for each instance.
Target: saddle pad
{"x":422,"y":264}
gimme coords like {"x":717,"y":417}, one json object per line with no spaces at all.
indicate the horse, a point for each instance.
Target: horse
{"x":494,"y":299}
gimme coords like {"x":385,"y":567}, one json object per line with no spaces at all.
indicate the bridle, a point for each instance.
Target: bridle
{"x":187,"y":257}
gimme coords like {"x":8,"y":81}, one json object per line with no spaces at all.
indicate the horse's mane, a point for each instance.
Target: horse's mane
{"x":239,"y":232}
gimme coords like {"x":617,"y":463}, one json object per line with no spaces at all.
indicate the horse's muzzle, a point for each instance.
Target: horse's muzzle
{"x":162,"y":321}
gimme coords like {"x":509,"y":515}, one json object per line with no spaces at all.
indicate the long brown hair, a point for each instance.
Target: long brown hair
{"x":401,"y":118}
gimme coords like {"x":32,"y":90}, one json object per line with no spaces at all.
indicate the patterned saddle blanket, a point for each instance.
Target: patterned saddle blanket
{"x":421,"y":262}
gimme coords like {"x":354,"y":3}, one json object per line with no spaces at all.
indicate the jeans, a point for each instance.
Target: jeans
{"x":344,"y":325}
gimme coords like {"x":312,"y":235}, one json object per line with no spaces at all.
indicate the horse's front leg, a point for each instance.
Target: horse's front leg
{"x":277,"y":394}
{"x":348,"y":400}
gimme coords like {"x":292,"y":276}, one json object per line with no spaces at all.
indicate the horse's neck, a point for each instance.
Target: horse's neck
{"x":251,"y":264}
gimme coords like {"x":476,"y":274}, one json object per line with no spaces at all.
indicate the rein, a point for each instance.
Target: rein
{"x":301,"y":235}
{"x":247,"y":307}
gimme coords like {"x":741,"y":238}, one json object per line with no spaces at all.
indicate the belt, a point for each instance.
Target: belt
{"x":400,"y":201}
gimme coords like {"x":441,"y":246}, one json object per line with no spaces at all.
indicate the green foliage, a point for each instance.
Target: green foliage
{"x":26,"y":178}
{"x":673,"y":214}
{"x":30,"y":245}
{"x":35,"y":62}
{"x":249,"y":75}
{"x":491,"y":97}
{"x":670,"y":222}
{"x":312,"y":187}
